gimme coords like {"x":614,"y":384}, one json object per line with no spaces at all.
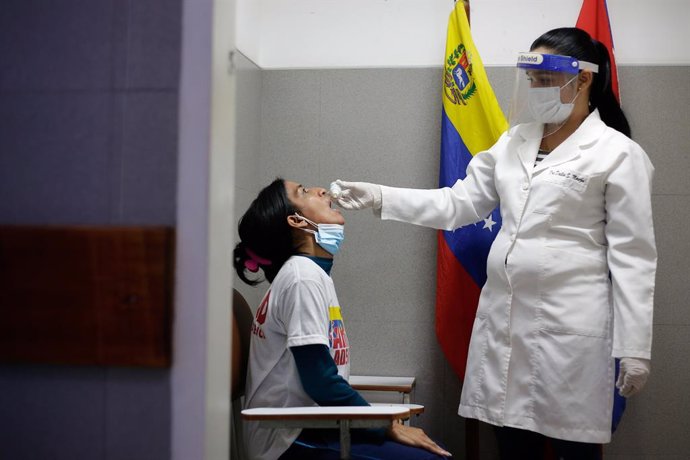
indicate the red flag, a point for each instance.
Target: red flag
{"x":594,"y":19}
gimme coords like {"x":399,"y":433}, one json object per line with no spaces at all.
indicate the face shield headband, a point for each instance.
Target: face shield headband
{"x":553,"y":63}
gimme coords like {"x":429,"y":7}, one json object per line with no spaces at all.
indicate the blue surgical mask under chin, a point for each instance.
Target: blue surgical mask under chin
{"x":328,"y":236}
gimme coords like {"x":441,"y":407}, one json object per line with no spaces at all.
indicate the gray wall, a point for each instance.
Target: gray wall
{"x":88,"y":135}
{"x":657,"y":102}
{"x":248,"y":136}
{"x":384,"y":126}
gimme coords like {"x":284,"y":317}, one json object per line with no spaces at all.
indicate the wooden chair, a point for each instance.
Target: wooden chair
{"x":239,"y":355}
{"x":241,"y":335}
{"x":343,"y":418}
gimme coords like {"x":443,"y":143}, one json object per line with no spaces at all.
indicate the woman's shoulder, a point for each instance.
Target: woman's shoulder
{"x":622,"y":143}
{"x":299,"y":277}
{"x":614,"y":150}
{"x":594,"y":124}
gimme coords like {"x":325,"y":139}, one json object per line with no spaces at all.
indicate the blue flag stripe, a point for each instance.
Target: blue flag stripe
{"x":470,"y":244}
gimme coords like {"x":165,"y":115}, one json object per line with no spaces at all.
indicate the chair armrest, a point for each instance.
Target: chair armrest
{"x":403,"y":385}
{"x":327,"y":417}
{"x":384,"y":412}
{"x":415,"y":409}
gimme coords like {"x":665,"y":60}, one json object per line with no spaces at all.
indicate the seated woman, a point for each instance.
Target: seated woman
{"x":299,"y":354}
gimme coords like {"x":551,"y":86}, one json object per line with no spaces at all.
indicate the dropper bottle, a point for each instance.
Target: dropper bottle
{"x":334,"y":190}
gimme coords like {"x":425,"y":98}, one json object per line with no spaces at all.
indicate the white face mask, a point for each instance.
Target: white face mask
{"x":546,"y":106}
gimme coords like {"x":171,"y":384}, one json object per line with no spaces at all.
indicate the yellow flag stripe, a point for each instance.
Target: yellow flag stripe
{"x":334,"y":314}
{"x":474,"y":110}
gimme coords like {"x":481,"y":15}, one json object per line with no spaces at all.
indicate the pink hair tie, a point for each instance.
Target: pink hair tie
{"x":252,"y":264}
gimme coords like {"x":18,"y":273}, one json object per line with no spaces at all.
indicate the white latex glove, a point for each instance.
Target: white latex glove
{"x":358,"y":195}
{"x":632,"y":375}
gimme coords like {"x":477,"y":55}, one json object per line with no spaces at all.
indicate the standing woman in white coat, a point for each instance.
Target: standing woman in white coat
{"x":570,"y":276}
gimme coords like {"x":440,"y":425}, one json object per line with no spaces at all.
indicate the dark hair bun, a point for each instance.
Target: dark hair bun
{"x":265,"y":236}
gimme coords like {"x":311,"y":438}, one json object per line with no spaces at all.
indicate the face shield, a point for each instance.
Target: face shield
{"x":545,"y":90}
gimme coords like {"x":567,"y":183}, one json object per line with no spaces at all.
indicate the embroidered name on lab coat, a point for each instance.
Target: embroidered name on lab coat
{"x":567,"y":178}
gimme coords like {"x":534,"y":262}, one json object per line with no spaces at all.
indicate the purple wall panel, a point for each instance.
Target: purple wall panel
{"x":88,"y":135}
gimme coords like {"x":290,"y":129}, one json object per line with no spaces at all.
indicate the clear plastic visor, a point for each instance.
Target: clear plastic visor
{"x":544,"y":92}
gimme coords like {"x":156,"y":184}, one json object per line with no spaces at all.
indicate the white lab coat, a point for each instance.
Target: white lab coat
{"x":550,"y":320}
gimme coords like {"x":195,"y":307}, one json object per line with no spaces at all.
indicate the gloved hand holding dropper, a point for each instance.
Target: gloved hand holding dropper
{"x":354,"y":196}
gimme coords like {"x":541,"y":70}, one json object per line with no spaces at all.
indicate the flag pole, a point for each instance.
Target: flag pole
{"x":471,"y":424}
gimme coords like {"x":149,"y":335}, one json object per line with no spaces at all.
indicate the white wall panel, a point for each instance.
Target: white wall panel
{"x":409,"y":33}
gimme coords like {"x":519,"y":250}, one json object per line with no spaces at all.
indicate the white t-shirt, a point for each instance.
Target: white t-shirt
{"x":300,"y":308}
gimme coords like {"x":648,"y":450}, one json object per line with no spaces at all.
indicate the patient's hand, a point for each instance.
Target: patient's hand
{"x":414,"y":437}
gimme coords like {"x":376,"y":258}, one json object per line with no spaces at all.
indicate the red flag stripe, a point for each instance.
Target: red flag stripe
{"x":455,"y":290}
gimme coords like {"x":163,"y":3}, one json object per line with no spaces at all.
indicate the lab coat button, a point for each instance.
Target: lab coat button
{"x":525,"y":186}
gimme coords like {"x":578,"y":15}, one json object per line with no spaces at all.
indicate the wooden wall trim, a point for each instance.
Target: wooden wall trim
{"x":86,"y":295}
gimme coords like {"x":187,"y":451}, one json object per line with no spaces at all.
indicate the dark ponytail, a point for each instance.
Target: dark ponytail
{"x":574,"y":42}
{"x":265,"y":236}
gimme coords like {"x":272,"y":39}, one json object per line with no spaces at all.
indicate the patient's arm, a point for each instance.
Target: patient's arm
{"x":319,"y":376}
{"x":320,"y":379}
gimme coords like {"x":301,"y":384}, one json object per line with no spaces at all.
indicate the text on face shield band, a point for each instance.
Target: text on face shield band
{"x":553,"y":63}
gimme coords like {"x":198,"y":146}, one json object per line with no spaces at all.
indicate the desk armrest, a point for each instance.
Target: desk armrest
{"x":385,"y":412}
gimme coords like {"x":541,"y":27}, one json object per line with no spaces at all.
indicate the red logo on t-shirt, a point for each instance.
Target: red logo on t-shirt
{"x":263,"y":309}
{"x":260,"y":317}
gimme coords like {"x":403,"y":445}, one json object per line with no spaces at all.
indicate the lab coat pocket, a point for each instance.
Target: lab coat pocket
{"x":574,"y":383}
{"x":574,"y":292}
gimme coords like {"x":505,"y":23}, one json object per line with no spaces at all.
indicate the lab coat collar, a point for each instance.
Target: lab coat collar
{"x":527,"y":149}
{"x":586,"y":135}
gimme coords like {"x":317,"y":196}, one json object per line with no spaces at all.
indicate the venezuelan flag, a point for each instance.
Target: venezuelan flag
{"x":472,"y":122}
